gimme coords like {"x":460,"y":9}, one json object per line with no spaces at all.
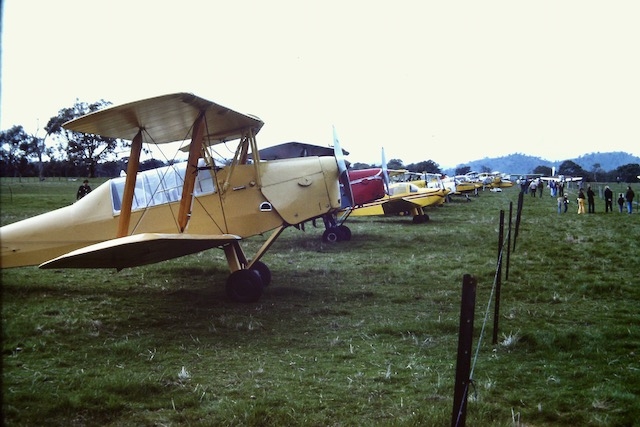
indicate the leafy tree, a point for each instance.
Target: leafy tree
{"x":595,"y":170}
{"x":428,"y":166}
{"x":83,"y":150}
{"x":12,"y":155}
{"x":462,"y":170}
{"x":570,"y":168}
{"x":543,"y":170}
{"x":359,"y":165}
{"x":628,"y":173}
{"x":35,"y":148}
{"x":395,"y":164}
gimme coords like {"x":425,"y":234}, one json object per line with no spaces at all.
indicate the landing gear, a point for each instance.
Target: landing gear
{"x":336,"y":234}
{"x":245,"y":286}
{"x":420,"y":219}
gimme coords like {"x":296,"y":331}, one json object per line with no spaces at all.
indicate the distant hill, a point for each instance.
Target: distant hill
{"x":521,"y":163}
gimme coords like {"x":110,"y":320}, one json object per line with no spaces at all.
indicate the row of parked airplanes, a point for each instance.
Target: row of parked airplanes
{"x":160,"y":214}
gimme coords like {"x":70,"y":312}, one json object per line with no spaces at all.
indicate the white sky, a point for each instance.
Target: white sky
{"x":450,"y":81}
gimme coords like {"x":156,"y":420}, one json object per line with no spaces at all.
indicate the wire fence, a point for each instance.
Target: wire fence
{"x":466,"y":379}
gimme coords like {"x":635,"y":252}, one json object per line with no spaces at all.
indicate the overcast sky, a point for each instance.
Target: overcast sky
{"x":450,"y":81}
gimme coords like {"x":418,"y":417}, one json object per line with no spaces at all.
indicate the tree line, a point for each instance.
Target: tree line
{"x":64,"y":153}
{"x":624,"y":173}
{"x":60,"y":152}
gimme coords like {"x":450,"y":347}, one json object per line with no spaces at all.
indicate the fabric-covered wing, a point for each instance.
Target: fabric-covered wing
{"x":165,"y":118}
{"x":398,"y":205}
{"x":138,"y":249}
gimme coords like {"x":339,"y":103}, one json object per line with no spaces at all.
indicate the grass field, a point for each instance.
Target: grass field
{"x":356,"y":333}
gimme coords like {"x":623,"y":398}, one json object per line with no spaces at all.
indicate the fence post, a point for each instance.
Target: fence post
{"x":518,"y":216}
{"x":506,"y":277}
{"x":465,"y":336}
{"x":496,"y":313}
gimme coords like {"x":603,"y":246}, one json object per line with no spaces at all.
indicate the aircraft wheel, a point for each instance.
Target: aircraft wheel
{"x":244,"y":286}
{"x":331,"y":235}
{"x":263,"y":271}
{"x":346,"y":232}
{"x":420,"y":219}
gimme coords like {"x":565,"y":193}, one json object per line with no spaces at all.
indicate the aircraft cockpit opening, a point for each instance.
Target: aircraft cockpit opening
{"x":160,"y":186}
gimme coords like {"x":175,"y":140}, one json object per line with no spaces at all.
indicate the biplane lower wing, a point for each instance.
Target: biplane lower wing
{"x":139,"y":249}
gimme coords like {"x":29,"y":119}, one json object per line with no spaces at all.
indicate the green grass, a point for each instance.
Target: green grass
{"x":359,"y":333}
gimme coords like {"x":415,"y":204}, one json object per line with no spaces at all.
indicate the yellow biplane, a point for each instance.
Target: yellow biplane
{"x":185,"y":208}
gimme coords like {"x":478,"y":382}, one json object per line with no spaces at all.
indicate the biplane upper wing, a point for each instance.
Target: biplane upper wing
{"x":166,"y":118}
{"x":138,"y":249}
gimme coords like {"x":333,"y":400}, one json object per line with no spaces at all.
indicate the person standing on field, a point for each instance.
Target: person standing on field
{"x":563,"y":203}
{"x":629,"y":196}
{"x":581,"y":202}
{"x":83,"y":190}
{"x":532,"y":188}
{"x":608,"y":199}
{"x":540,"y":187}
{"x":591,"y":200}
{"x":621,"y":202}
{"x":560,"y":204}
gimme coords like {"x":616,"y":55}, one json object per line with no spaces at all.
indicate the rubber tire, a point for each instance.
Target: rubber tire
{"x":345,"y":231}
{"x":331,"y":235}
{"x":263,"y":271}
{"x":244,"y":286}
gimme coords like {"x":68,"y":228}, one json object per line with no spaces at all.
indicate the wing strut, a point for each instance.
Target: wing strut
{"x":236,"y":257}
{"x":130,"y":185}
{"x":195,"y":149}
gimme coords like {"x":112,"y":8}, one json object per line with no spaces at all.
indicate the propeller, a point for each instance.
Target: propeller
{"x":346,"y":196}
{"x":385,"y":172}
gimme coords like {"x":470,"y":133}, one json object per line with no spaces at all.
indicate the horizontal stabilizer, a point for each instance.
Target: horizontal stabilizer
{"x":138,"y":249}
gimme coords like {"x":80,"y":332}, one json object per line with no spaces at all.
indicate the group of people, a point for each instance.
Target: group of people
{"x":536,"y":185}
{"x":626,"y":198}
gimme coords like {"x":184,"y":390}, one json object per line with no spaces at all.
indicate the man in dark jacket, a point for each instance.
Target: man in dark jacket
{"x":591,"y":200}
{"x":83,"y":190}
{"x":608,"y":199}
{"x":629,"y":196}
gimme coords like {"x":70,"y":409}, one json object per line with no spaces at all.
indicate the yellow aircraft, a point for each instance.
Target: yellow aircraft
{"x":401,"y":198}
{"x":428,"y":180}
{"x":182,"y":209}
{"x":461,"y":185}
{"x":494,"y":180}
